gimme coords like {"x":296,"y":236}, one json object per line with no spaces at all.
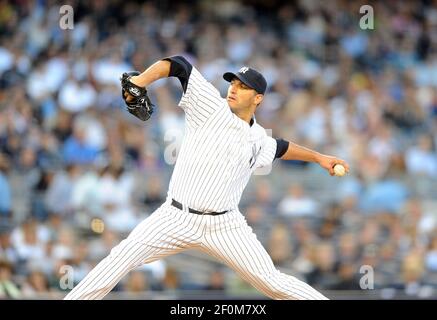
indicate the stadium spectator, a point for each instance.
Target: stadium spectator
{"x":5,"y":189}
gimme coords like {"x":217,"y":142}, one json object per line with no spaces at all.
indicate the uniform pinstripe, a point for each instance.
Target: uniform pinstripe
{"x":218,"y":155}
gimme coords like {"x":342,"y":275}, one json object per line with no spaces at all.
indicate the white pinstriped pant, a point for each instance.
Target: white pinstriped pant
{"x":169,"y":230}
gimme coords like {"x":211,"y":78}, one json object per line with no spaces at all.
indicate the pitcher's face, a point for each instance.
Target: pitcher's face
{"x":240,"y":96}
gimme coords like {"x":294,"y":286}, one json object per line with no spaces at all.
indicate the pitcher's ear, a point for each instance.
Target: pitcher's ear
{"x":259,"y":98}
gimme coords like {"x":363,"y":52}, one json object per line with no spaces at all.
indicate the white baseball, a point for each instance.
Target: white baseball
{"x":339,"y":170}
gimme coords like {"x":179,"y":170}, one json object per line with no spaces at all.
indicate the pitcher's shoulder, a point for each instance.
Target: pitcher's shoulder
{"x":258,"y":129}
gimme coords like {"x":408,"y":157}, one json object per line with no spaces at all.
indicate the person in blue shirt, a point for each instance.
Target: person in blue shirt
{"x":76,"y":150}
{"x":5,"y":189}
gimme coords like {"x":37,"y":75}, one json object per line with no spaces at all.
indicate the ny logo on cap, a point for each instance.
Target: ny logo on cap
{"x":243,"y":70}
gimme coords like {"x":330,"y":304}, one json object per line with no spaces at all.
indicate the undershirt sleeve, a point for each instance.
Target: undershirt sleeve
{"x":281,"y":147}
{"x":181,"y":69}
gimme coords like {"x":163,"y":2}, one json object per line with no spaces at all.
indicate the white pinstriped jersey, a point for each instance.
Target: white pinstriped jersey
{"x":219,"y":152}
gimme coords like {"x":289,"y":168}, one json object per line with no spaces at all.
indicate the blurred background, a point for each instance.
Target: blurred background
{"x":78,"y":172}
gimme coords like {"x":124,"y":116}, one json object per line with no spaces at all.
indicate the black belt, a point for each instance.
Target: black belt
{"x":178,"y":205}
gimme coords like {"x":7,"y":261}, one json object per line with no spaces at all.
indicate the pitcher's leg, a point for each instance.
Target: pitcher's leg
{"x":241,"y":250}
{"x":99,"y":282}
{"x":162,"y":234}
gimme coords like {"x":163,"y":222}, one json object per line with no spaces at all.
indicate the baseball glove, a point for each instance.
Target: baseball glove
{"x":140,"y":105}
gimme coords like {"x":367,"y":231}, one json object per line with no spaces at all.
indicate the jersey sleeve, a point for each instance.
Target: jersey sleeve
{"x":200,"y":98}
{"x":273,"y":149}
{"x":268,"y":152}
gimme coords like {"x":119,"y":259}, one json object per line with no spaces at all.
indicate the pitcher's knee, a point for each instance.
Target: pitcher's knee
{"x":269,"y":284}
{"x":280,"y":286}
{"x":115,"y":251}
{"x":126,"y":251}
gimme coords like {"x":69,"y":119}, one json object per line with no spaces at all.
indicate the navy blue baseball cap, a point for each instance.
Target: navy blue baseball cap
{"x":250,"y":77}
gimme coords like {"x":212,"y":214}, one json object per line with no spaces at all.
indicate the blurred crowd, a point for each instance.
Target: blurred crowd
{"x":78,"y":172}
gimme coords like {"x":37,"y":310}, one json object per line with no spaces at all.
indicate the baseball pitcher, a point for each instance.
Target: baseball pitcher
{"x":223,"y":145}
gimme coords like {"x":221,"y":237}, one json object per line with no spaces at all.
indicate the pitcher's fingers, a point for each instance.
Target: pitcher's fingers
{"x":346,"y":166}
